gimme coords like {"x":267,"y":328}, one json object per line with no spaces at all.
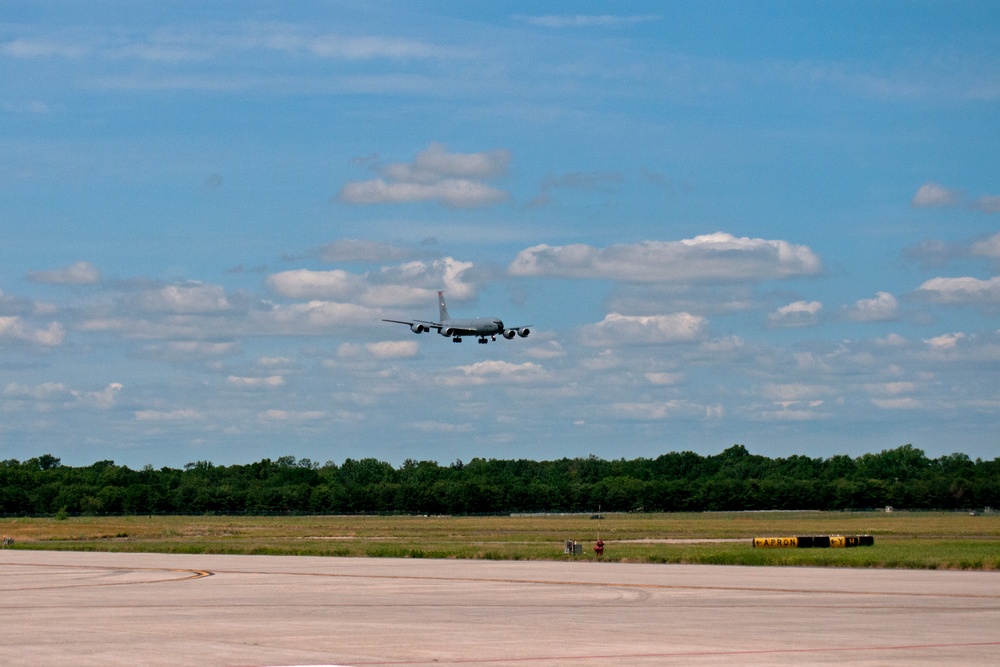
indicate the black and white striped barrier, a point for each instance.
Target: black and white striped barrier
{"x":814,"y":541}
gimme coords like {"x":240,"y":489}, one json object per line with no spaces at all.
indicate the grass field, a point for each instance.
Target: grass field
{"x":927,"y":540}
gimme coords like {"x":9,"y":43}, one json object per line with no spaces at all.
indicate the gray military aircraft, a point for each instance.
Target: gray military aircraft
{"x":486,"y":328}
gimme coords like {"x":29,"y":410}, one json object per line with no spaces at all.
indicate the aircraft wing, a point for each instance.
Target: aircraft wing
{"x":416,"y":325}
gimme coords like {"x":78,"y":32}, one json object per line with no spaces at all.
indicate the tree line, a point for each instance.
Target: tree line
{"x":734,"y":479}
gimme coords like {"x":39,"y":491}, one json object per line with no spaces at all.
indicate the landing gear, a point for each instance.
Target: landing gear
{"x":483,"y":341}
{"x":456,"y":339}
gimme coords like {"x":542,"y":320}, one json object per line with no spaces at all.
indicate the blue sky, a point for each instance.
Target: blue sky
{"x":775,"y":224}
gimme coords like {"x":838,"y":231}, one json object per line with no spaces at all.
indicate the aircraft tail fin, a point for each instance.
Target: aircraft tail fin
{"x":443,"y":315}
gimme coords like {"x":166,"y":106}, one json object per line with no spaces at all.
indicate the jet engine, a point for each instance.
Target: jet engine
{"x":418,"y":328}
{"x":447,"y":331}
{"x":523,"y":333}
{"x":509,"y":334}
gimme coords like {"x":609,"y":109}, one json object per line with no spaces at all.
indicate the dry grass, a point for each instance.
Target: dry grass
{"x":902,"y":539}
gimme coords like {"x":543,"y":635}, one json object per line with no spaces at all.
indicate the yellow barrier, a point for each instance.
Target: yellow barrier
{"x":776,"y":542}
{"x":813,"y":541}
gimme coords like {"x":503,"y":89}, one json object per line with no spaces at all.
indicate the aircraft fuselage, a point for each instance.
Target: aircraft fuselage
{"x":483,"y":328}
{"x":479,"y":326}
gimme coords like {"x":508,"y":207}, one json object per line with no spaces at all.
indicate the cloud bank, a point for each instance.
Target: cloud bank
{"x":454,"y":180}
{"x":718,"y":257}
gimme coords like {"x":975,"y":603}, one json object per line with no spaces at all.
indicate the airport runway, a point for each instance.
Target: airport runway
{"x":252,"y":611}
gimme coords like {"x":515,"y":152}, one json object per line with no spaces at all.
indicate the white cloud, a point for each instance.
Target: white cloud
{"x":291,"y":415}
{"x":945,"y":341}
{"x":162,"y":52}
{"x":436,"y":161}
{"x":549,"y":349}
{"x":168,"y":415}
{"x":453,"y":193}
{"x":165,"y":325}
{"x":102,"y":400}
{"x":897,"y":403}
{"x":384,"y":350}
{"x":270,"y":362}
{"x":42,"y":309}
{"x":446,"y":273}
{"x":605,"y":360}
{"x":728,"y":345}
{"x":439,"y":427}
{"x":450,"y":179}
{"x":492,"y":372}
{"x":189,"y":298}
{"x":892,"y":340}
{"x":882,"y":307}
{"x":361,"y":250}
{"x":53,"y":391}
{"x":397,"y":295}
{"x":796,"y":314}
{"x":965,"y":290}
{"x":701,"y":298}
{"x":15,"y":328}
{"x":616,"y":329}
{"x":368,"y":48}
{"x":586,"y":181}
{"x":393,"y":349}
{"x":667,"y":410}
{"x":981,"y":349}
{"x":710,"y":257}
{"x":787,"y":394}
{"x":43,"y":48}
{"x":797,"y":415}
{"x":313,"y":317}
{"x":933,"y":253}
{"x":664,"y":378}
{"x":497,"y":367}
{"x":81,"y":273}
{"x":347,"y":351}
{"x":931,"y":194}
{"x":403,"y":285}
{"x":987,"y":204}
{"x":890,"y":388}
{"x":172,"y":45}
{"x":200,"y":348}
{"x":306,"y":284}
{"x":269,"y":382}
{"x":987,"y":247}
{"x":43,"y":391}
{"x":408,"y":295}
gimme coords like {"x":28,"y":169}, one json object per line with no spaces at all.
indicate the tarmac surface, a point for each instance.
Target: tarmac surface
{"x":251,"y":611}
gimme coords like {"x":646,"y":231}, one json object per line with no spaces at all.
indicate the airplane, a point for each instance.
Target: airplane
{"x":486,"y":328}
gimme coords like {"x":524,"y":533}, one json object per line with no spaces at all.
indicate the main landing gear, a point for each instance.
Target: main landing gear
{"x":483,"y":340}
